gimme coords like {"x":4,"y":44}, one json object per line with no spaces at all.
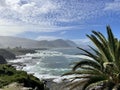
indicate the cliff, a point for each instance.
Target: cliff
{"x":2,"y":60}
{"x":7,"y":54}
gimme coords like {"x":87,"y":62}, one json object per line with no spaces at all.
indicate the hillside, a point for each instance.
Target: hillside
{"x":7,"y":54}
{"x":13,"y":42}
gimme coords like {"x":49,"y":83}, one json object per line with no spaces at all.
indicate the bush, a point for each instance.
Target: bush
{"x":9,"y":74}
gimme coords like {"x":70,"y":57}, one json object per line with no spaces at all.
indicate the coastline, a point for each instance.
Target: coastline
{"x":49,"y":81}
{"x":58,"y":86}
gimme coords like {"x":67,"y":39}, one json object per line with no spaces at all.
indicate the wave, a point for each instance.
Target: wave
{"x":77,"y":56}
{"x":46,"y":53}
{"x":47,"y":63}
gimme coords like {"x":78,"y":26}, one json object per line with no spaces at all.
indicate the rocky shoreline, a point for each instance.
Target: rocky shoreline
{"x":55,"y":86}
{"x":58,"y":86}
{"x":49,"y":83}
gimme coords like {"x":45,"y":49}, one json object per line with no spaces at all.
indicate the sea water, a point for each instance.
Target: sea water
{"x":49,"y":63}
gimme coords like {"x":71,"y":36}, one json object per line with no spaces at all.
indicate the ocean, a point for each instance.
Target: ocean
{"x":51,"y":63}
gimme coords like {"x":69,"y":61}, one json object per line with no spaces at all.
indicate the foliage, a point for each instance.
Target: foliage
{"x":9,"y":74}
{"x":102,"y":68}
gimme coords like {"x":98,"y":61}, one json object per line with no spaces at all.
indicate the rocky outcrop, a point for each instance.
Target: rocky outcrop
{"x":7,"y":54}
{"x":21,"y":51}
{"x":2,"y":60}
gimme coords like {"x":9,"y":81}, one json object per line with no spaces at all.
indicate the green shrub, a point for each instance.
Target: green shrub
{"x":9,"y":74}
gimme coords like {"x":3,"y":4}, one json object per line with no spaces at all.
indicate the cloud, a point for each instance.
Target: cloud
{"x":63,"y":32}
{"x":50,"y":15}
{"x":85,"y":41}
{"x":10,"y":30}
{"x":2,"y":3}
{"x":14,"y":30}
{"x":113,"y":6}
{"x":52,"y":12}
{"x":29,"y":11}
{"x":47,"y":38}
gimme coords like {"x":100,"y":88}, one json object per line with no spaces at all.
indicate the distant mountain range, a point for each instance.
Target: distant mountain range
{"x":12,"y":42}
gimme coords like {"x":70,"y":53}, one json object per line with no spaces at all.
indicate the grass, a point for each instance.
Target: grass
{"x":8,"y":75}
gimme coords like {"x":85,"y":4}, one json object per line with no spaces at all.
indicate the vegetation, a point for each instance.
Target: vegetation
{"x":8,"y":74}
{"x":102,"y":68}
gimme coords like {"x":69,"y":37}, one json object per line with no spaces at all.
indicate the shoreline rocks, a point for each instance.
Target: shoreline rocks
{"x":58,"y":86}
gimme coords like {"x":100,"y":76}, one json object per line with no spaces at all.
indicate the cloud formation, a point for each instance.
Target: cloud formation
{"x":49,"y":38}
{"x":114,"y":6}
{"x":52,"y":15}
{"x":50,"y":12}
{"x":26,"y":11}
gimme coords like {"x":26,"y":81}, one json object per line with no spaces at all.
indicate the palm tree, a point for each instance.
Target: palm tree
{"x":102,"y":68}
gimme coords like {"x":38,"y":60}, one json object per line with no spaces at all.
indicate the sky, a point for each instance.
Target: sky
{"x":58,"y":19}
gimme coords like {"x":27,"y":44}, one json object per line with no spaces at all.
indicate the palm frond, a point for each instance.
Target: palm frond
{"x":111,"y":39}
{"x":103,"y":64}
{"x":101,"y":47}
{"x":100,"y":85}
{"x":88,"y":62}
{"x":78,"y":84}
{"x":73,"y":85}
{"x":101,"y":37}
{"x":89,"y":54}
{"x":83,"y":72}
{"x":93,"y":80}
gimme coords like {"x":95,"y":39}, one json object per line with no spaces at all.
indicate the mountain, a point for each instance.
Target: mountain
{"x":12,"y":42}
{"x":71,"y":43}
{"x":57,"y":43}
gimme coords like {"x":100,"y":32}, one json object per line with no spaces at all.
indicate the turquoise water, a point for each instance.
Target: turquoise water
{"x":49,"y":63}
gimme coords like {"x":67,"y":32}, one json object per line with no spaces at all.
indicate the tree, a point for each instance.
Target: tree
{"x":102,"y":68}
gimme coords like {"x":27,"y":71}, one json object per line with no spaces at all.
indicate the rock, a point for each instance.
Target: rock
{"x":21,"y":51}
{"x":15,"y":86}
{"x":2,"y":60}
{"x":7,"y":54}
